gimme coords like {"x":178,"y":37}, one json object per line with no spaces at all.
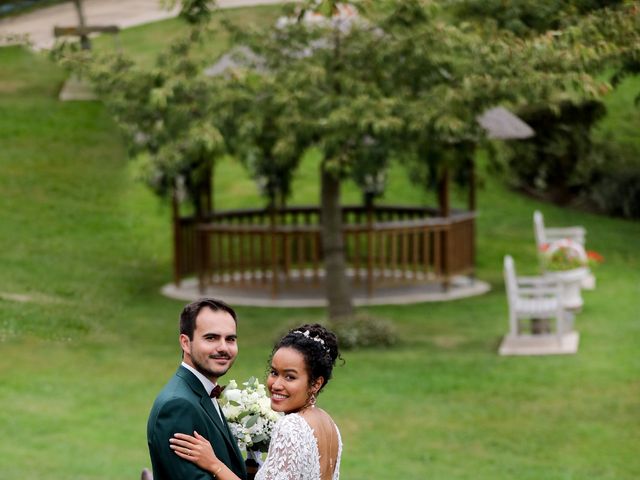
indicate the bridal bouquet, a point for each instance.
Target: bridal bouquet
{"x":249,"y":414}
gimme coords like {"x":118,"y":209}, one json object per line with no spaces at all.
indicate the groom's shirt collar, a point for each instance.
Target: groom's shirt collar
{"x":206,"y":383}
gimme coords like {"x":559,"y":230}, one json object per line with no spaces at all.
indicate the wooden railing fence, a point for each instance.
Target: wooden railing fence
{"x":279,"y":250}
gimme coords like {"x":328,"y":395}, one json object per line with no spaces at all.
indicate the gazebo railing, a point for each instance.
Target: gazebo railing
{"x":384,"y":246}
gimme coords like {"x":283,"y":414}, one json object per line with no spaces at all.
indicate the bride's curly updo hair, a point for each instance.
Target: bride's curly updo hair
{"x":318,"y":346}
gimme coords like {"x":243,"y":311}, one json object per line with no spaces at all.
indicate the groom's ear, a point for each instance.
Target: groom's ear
{"x":185,"y":343}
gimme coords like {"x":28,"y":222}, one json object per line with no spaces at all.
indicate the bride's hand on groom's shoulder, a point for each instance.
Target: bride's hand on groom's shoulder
{"x":196,"y":449}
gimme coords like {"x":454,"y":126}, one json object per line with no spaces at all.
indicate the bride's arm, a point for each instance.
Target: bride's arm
{"x":198,"y":450}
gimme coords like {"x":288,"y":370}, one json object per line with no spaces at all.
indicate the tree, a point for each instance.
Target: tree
{"x":166,"y":114}
{"x":409,"y":85}
{"x":259,"y":127}
{"x":594,"y":39}
{"x":400,"y":83}
{"x":314,"y":65}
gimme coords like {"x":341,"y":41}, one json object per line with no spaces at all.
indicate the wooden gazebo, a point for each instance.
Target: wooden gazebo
{"x":281,"y":249}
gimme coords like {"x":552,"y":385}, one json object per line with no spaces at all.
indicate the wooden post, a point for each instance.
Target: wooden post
{"x":443,"y":193}
{"x":472,"y":185}
{"x":82,"y":30}
{"x":370,"y":250}
{"x":446,"y":252}
{"x":177,"y":238}
{"x":84,"y":37}
{"x":274,"y":253}
{"x":200,"y":247}
{"x":209,"y":189}
{"x":445,"y":210}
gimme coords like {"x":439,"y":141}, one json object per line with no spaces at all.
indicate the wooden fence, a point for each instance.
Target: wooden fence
{"x":384,"y":246}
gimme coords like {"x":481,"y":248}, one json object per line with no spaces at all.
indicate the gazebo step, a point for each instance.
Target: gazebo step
{"x":291,"y":295}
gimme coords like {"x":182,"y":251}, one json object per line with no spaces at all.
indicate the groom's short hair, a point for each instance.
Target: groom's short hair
{"x":191,"y":311}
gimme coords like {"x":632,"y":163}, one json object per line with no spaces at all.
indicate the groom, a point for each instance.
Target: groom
{"x":209,"y":347}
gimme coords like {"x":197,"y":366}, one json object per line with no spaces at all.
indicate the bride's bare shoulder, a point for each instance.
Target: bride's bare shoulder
{"x":316,"y":418}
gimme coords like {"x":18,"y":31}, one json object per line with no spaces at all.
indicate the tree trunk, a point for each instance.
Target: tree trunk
{"x":338,"y":288}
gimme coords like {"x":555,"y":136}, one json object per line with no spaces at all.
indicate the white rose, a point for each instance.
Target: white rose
{"x":265,"y":405}
{"x":233,"y":395}
{"x":232,"y":412}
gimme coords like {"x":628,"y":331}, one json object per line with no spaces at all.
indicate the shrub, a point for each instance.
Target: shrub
{"x":525,"y":17}
{"x":356,"y":331}
{"x":613,"y":182}
{"x":618,"y":193}
{"x":553,"y":161}
{"x":364,"y":330}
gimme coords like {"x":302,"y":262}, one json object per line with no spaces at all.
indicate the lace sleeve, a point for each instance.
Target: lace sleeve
{"x":291,"y":452}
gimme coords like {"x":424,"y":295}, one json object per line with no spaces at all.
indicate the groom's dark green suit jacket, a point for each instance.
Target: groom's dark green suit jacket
{"x":182,"y":407}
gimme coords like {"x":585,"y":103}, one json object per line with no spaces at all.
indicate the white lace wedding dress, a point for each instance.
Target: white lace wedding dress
{"x":293,"y":452}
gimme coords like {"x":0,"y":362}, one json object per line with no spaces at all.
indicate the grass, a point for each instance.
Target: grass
{"x":87,"y":341}
{"x":144,"y":42}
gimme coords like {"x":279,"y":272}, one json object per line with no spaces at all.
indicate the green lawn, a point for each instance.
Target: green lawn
{"x":144,"y":42}
{"x":87,"y":341}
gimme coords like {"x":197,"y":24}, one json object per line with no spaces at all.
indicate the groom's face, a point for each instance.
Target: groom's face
{"x":214,"y":346}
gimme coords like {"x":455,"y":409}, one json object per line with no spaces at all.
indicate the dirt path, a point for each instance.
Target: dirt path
{"x":37,"y":26}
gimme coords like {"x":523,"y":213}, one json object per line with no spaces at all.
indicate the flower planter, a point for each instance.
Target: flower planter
{"x":571,"y":281}
{"x":589,"y":282}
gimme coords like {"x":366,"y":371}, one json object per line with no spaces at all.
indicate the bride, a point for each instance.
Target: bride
{"x":306,"y":443}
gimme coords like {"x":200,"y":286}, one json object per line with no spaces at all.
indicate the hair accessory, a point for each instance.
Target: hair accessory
{"x":306,"y":333}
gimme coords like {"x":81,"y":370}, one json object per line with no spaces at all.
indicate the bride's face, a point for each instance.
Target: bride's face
{"x":288,"y":381}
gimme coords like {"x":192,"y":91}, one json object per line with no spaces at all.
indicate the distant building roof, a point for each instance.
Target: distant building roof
{"x":238,"y":57}
{"x":501,"y":124}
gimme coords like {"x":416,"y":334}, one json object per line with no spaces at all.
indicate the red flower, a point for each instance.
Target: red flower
{"x":594,"y":256}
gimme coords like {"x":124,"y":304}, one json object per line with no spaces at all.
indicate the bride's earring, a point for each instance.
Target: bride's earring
{"x":312,"y":399}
